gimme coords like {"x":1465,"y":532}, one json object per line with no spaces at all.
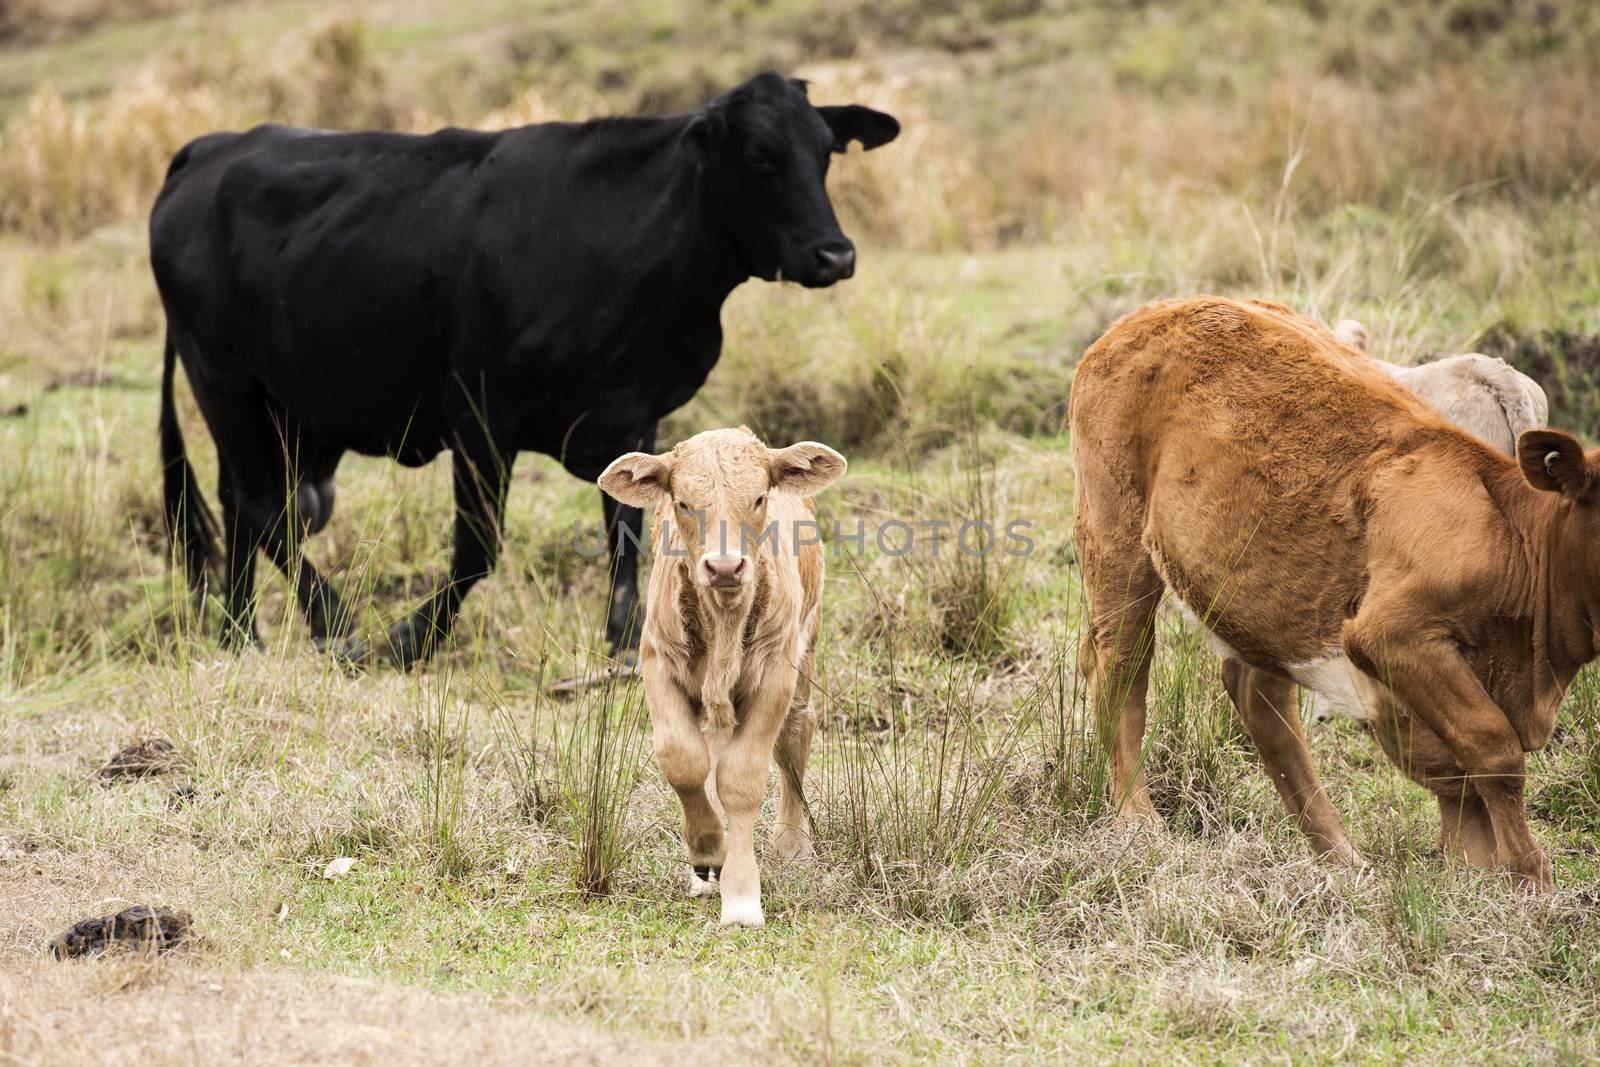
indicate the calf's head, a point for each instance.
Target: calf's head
{"x":763,"y":152}
{"x":715,"y":489}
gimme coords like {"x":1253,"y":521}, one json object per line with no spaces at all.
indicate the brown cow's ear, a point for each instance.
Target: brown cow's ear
{"x":804,"y":468}
{"x":1554,"y":461}
{"x":638,"y":478}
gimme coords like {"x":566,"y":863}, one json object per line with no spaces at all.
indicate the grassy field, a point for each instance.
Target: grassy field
{"x":1428,"y":169}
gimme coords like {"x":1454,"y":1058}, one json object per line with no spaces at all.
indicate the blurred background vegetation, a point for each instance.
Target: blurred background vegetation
{"x":1430,"y":166}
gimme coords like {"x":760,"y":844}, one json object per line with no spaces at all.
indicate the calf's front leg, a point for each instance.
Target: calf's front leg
{"x":742,"y":786}
{"x":1433,"y":682}
{"x":685,"y":762}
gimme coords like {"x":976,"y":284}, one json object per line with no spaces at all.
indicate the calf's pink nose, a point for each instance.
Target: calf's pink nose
{"x":724,"y":570}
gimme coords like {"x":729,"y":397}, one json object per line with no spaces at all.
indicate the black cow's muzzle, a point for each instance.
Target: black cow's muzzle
{"x":832,"y":261}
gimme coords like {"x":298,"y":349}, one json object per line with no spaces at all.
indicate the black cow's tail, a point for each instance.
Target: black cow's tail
{"x":191,"y":528}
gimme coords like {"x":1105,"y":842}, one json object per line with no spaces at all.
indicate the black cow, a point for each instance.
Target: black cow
{"x":556,"y":287}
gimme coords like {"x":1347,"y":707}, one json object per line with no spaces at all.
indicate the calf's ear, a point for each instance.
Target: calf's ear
{"x":852,"y":122}
{"x":638,"y":478}
{"x":804,"y":468}
{"x":1554,"y":461}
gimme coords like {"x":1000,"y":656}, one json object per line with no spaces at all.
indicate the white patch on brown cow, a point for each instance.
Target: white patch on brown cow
{"x":1218,"y":645}
{"x":1346,"y":689}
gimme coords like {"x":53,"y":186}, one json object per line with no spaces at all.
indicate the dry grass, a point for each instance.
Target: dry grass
{"x":134,"y":1012}
{"x":1343,"y":142}
{"x":45,"y":18}
{"x":925,"y":192}
{"x":65,"y":169}
{"x":1342,"y":134}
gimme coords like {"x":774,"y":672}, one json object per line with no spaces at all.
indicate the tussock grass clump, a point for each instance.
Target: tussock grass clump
{"x":67,"y":168}
{"x":970,"y":580}
{"x":573,"y":766}
{"x":1204,"y":775}
{"x":597,"y":765}
{"x":911,"y":807}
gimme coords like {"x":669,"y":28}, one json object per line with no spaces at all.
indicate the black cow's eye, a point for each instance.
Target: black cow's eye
{"x":759,"y":161}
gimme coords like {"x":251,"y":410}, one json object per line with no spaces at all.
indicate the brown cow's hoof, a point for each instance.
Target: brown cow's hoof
{"x":155,"y":756}
{"x":153,"y":929}
{"x":1534,"y":873}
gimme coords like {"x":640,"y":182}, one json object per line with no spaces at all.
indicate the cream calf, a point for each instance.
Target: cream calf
{"x":729,"y":642}
{"x":1483,"y":395}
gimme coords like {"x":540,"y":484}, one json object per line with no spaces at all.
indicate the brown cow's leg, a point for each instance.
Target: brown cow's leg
{"x":1266,"y":704}
{"x":1431,"y":680}
{"x":1466,"y":832}
{"x":1115,"y":657}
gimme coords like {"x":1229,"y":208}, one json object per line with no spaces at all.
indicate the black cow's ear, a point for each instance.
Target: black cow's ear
{"x":704,"y":131}
{"x":1554,"y":461}
{"x":852,"y":122}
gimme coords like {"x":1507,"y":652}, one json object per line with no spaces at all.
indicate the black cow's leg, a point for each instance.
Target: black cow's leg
{"x":624,"y":538}
{"x":482,"y":476}
{"x":319,"y":601}
{"x":624,"y":532}
{"x":239,"y":616}
{"x":324,"y":612}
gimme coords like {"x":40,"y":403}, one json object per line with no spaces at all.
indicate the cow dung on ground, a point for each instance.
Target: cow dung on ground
{"x":155,"y":929}
{"x":154,"y":756}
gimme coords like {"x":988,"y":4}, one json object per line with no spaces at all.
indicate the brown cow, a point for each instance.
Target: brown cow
{"x":1332,"y":530}
{"x":729,"y":643}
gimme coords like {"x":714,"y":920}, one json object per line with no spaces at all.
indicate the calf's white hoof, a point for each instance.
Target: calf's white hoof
{"x":703,"y":881}
{"x":742,"y":913}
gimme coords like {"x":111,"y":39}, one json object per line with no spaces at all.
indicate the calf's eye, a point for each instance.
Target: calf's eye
{"x":762,"y":499}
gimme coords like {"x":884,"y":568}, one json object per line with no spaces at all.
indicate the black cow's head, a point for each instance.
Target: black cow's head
{"x":763,"y":153}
